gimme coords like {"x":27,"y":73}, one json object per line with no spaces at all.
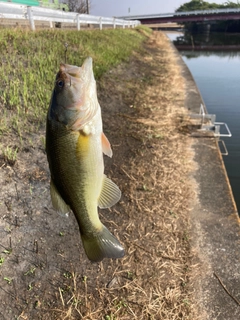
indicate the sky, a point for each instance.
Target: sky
{"x":116,"y":8}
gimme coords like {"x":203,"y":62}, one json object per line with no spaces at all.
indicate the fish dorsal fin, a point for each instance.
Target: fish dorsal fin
{"x":57,"y":201}
{"x":110,"y":194}
{"x":106,"y":146}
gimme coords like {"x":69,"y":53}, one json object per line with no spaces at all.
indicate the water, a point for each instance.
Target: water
{"x":217,"y":75}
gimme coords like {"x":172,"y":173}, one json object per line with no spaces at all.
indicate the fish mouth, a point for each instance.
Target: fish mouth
{"x":71,"y":85}
{"x":73,"y":71}
{"x":67,"y":75}
{"x":79,"y":95}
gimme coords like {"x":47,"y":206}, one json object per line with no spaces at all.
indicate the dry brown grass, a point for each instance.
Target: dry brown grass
{"x":153,"y":159}
{"x":45,"y":273}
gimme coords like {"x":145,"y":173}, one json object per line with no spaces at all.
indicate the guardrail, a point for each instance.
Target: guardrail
{"x":22,"y":12}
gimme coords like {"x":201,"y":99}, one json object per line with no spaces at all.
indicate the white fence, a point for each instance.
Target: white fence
{"x":23,"y":12}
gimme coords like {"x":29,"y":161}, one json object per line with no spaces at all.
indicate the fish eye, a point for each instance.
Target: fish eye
{"x":60,"y":83}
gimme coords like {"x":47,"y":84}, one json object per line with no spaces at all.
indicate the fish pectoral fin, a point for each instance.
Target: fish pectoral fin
{"x":57,"y":201}
{"x":110,"y":194}
{"x":106,"y":146}
{"x":102,"y":245}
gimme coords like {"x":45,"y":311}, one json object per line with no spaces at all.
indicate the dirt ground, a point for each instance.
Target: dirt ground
{"x":44,"y":272}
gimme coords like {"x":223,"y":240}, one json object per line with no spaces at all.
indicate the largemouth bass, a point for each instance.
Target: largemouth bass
{"x":75,"y":144}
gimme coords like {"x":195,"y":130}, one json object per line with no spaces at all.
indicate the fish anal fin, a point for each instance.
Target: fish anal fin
{"x":102,"y":245}
{"x":106,"y":146}
{"x":57,"y":201}
{"x":110,"y":194}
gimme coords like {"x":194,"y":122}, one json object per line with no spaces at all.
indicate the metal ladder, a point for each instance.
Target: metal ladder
{"x":213,"y":126}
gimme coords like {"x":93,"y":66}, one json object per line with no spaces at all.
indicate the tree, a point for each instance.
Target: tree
{"x":204,"y":5}
{"x":230,"y":4}
{"x":222,"y":26}
{"x":80,"y":6}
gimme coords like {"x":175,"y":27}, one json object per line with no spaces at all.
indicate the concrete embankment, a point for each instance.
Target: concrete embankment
{"x":214,"y":225}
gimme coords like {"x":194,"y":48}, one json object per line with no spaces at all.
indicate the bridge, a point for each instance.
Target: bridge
{"x":188,"y":16}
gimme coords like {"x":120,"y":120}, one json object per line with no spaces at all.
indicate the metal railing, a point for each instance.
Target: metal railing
{"x":209,"y":124}
{"x":23,"y":12}
{"x":185,"y":13}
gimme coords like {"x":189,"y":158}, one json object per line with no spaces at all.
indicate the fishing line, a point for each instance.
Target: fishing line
{"x":66,"y":47}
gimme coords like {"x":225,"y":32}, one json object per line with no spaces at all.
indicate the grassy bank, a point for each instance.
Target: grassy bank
{"x":29,"y":62}
{"x":44,"y":272}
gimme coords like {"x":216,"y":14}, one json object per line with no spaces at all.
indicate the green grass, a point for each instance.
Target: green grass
{"x":30,"y":60}
{"x":10,"y":154}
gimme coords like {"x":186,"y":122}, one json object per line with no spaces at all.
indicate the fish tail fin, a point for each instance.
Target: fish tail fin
{"x":102,"y":245}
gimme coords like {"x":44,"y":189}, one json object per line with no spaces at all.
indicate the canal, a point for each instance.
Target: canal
{"x":214,"y":61}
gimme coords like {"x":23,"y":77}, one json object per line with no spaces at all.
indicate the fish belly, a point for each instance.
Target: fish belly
{"x":76,"y":165}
